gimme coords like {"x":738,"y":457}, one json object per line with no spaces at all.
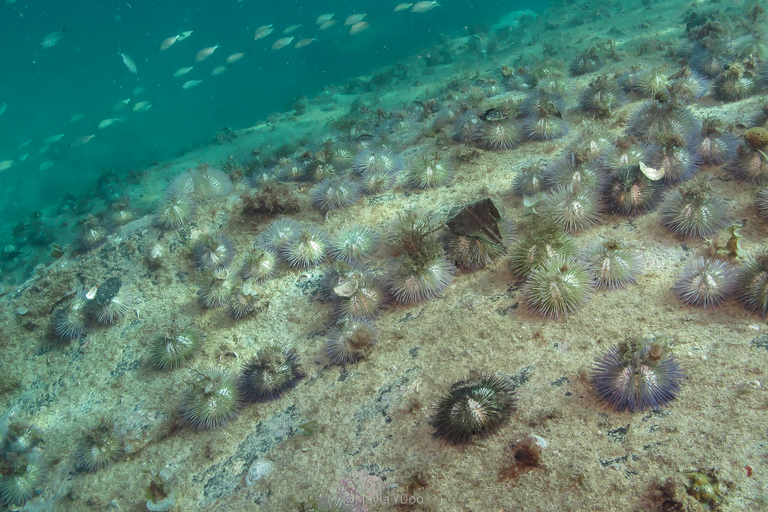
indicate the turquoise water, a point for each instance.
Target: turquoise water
{"x":69,"y":88}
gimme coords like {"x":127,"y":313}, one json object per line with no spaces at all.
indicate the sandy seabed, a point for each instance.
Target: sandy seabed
{"x":373,"y":430}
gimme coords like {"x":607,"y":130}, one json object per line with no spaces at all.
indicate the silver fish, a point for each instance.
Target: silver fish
{"x":190,"y":84}
{"x":23,"y":144}
{"x":262,"y":32}
{"x":79,"y":141}
{"x":354,"y":18}
{"x":358,"y":27}
{"x":280,"y":43}
{"x":301,"y":43}
{"x":235,"y":57}
{"x":142,"y":106}
{"x":52,"y":39}
{"x":219,"y":70}
{"x":128,"y":61}
{"x":205,"y":53}
{"x":326,"y":25}
{"x":184,"y":35}
{"x":424,"y":6}
{"x":6,"y":164}
{"x":3,"y":108}
{"x":46,"y":165}
{"x":108,"y":122}
{"x":23,"y":157}
{"x":291,"y":28}
{"x":53,"y":138}
{"x":167,"y":43}
{"x":402,"y":7}
{"x":323,"y":18}
{"x":182,"y":71}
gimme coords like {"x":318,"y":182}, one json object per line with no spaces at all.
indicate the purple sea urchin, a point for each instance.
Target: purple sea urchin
{"x":629,"y":192}
{"x":752,"y":283}
{"x":632,"y":377}
{"x":270,"y":375}
{"x":213,"y":252}
{"x":693,"y":211}
{"x":705,"y":282}
{"x":213,"y":400}
{"x":334,"y":194}
{"x":354,"y":244}
{"x":611,"y":265}
{"x":350,"y":342}
{"x":559,"y":287}
{"x":167,"y":351}
{"x":307,"y":250}
{"x":716,"y":148}
{"x":477,"y":406}
{"x":71,"y":321}
{"x":679,"y":162}
{"x":751,"y":165}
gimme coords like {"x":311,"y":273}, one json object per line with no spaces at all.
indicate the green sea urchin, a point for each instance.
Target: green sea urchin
{"x":354,"y":244}
{"x":167,"y":351}
{"x":270,"y":375}
{"x":752,"y":283}
{"x":71,"y":321}
{"x":260,"y":265}
{"x":559,"y":287}
{"x":611,"y":265}
{"x":99,"y":447}
{"x":429,"y":171}
{"x":213,"y":252}
{"x":335,"y":193}
{"x":213,"y":399}
{"x":112,"y":301}
{"x":307,"y":250}
{"x":705,"y":282}
{"x":693,"y":210}
{"x":350,"y":341}
{"x":477,"y":406}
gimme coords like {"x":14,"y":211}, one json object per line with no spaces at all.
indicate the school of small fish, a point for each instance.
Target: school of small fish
{"x":353,"y":24}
